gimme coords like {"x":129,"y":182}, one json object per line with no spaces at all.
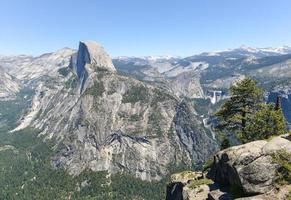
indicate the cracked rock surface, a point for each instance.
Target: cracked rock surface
{"x":249,"y":166}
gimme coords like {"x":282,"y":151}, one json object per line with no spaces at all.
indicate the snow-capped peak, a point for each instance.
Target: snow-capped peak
{"x":148,"y":58}
{"x":277,"y":50}
{"x":251,"y":51}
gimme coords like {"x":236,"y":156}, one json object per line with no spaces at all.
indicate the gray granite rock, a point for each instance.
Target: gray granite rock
{"x":249,"y":166}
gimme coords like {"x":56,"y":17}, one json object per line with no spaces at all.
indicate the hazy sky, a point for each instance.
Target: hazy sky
{"x":143,"y":27}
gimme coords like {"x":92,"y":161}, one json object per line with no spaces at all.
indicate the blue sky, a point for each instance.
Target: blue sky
{"x":143,"y":27}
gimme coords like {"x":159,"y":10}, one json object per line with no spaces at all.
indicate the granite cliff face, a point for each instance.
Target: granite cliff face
{"x":9,"y":86}
{"x":90,"y":58}
{"x":101,"y":120}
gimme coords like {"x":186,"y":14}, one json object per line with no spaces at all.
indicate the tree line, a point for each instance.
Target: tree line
{"x":246,"y":115}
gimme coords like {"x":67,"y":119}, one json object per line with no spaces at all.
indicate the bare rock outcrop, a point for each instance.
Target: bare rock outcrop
{"x":90,"y":58}
{"x":245,"y":172}
{"x":249,"y":166}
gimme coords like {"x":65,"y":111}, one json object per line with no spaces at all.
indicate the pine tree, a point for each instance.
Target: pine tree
{"x":266,"y":122}
{"x":245,"y":98}
{"x":278,"y":103}
{"x":224,"y":142}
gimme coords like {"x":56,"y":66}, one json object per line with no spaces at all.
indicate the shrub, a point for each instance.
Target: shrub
{"x":283,"y":158}
{"x":135,"y":94}
{"x":265,"y":123}
{"x":96,"y":90}
{"x":208,"y":164}
{"x":64,"y":71}
{"x":196,"y":183}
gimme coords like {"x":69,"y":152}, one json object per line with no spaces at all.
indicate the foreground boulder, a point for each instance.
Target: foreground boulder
{"x":252,"y":171}
{"x":188,"y":185}
{"x":251,"y":166}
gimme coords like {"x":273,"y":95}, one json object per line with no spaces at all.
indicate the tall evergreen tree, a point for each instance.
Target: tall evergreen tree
{"x":266,"y":122}
{"x":245,"y":98}
{"x":278,"y":103}
{"x":224,"y":142}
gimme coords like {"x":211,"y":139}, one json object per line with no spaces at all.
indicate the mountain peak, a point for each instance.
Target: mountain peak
{"x":247,"y":48}
{"x":90,"y":58}
{"x":93,"y":54}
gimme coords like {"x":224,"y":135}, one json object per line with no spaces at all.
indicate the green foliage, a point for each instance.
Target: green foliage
{"x":224,"y":142}
{"x":175,"y":168}
{"x":135,"y":94}
{"x":244,"y":101}
{"x":22,"y":139}
{"x":160,"y":96}
{"x":127,"y":187}
{"x":64,"y":71}
{"x":72,"y":82}
{"x":246,"y":115}
{"x":11,"y":111}
{"x":196,"y":183}
{"x":283,"y":158}
{"x":26,"y":173}
{"x":265,"y":123}
{"x":96,"y":90}
{"x":92,"y":185}
{"x":208,"y":164}
{"x":189,"y":175}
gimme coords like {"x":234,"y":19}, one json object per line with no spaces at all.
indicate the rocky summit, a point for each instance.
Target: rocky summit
{"x":90,"y":58}
{"x":101,"y":120}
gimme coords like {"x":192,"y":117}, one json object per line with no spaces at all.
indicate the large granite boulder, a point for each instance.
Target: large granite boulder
{"x":189,"y":185}
{"x":283,"y":193}
{"x":249,"y":166}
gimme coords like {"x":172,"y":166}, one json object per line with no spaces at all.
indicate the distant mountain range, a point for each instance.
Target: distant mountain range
{"x":199,"y":75}
{"x":192,"y":77}
{"x":138,"y":116}
{"x":250,"y":51}
{"x":243,"y":60}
